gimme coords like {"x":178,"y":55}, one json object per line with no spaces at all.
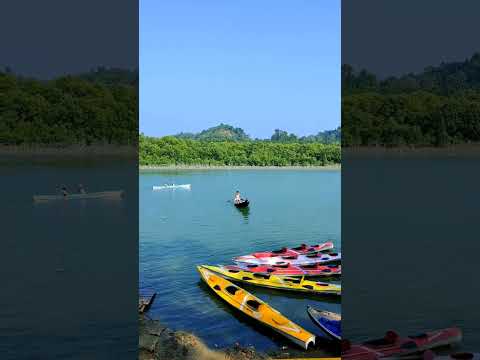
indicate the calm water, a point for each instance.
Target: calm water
{"x":180,"y":229}
{"x":69,"y":270}
{"x":411,"y":246}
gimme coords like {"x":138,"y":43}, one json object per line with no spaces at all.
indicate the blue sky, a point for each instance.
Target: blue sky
{"x":258,"y":65}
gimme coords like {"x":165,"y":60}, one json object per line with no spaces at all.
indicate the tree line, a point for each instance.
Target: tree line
{"x":100,"y":107}
{"x":437,"y":107}
{"x":170,"y":150}
{"x":224,"y":132}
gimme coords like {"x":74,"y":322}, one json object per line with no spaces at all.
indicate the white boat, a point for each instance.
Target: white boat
{"x":95,"y":195}
{"x":173,"y":186}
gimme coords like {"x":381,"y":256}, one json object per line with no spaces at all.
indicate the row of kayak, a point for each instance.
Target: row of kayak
{"x":290,"y":269}
{"x":298,"y":284}
{"x":304,"y":255}
{"x":390,"y":346}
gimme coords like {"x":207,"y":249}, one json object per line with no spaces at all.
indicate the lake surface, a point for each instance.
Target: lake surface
{"x":68,"y":269}
{"x":411,"y":245}
{"x":180,"y":229}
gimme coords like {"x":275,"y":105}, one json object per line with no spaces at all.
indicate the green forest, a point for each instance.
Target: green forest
{"x":438,"y":107}
{"x":171,"y":150}
{"x":99,"y":107}
{"x":224,"y":132}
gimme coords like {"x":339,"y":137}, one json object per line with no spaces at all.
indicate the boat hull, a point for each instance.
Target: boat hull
{"x":256,"y":308}
{"x":167,"y":187}
{"x":276,"y":282}
{"x":242,"y":204}
{"x":318,"y":318}
{"x":98,"y":195}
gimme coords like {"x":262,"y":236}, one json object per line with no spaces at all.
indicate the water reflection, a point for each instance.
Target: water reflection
{"x":245,"y":212}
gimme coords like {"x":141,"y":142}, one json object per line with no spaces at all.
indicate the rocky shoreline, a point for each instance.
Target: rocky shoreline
{"x":158,"y":342}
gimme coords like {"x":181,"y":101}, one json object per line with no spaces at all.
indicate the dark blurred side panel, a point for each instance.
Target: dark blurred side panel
{"x":410,"y":174}
{"x":69,"y":118}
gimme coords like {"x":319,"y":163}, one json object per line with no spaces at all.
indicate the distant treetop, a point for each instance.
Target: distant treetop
{"x":224,"y":132}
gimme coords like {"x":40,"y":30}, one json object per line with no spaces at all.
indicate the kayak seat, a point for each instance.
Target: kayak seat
{"x":308,"y":287}
{"x":231,"y":289}
{"x":282,"y":250}
{"x":216,"y":287}
{"x":292,"y":257}
{"x":281,"y":265}
{"x":333,"y":254}
{"x":321,"y":284}
{"x":233,"y":271}
{"x":327,"y":270}
{"x":252,"y":266}
{"x":246,"y":278}
{"x":308,"y":266}
{"x":270,"y":270}
{"x":312,"y":255}
{"x":254,"y":304}
{"x":295,"y":281}
{"x":261,"y":276}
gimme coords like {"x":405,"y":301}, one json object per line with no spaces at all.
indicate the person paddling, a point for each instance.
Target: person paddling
{"x":237,"y":198}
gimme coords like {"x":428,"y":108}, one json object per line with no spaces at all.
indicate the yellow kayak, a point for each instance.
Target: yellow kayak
{"x":277,"y":282}
{"x":256,"y":308}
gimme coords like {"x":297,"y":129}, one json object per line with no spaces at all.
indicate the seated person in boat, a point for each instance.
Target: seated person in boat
{"x":237,"y":198}
{"x":64,"y":191}
{"x":81,"y":190}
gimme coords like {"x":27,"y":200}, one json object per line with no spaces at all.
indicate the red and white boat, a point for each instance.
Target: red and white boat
{"x":290,"y":270}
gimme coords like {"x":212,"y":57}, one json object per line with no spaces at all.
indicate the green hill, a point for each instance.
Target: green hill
{"x":222,"y":132}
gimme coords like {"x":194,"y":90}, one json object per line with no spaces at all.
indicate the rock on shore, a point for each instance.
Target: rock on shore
{"x":158,"y":342}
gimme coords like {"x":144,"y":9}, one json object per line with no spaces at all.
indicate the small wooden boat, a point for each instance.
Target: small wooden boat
{"x":242,"y":204}
{"x":172,"y":186}
{"x":110,"y":195}
{"x":144,"y":303}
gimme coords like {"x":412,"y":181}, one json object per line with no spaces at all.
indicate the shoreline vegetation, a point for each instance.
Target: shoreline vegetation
{"x":170,"y":150}
{"x":147,"y":168}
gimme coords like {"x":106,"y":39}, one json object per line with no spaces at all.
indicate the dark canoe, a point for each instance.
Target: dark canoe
{"x":242,"y":204}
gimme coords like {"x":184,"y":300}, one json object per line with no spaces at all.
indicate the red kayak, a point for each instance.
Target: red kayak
{"x":291,"y":270}
{"x":299,"y":250}
{"x":393,"y":346}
